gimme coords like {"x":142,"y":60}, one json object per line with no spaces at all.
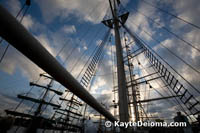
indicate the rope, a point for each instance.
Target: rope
{"x":150,"y":35}
{"x":165,"y":91}
{"x":177,"y":36}
{"x":196,"y":26}
{"x":98,"y":65}
{"x":5,"y":51}
{"x":167,"y":64}
{"x":82,"y":55}
{"x":162,"y":79}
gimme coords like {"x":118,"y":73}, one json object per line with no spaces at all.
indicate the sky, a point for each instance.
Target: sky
{"x":68,"y":24}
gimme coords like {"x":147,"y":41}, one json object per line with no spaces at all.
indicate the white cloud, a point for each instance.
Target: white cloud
{"x":79,"y":8}
{"x":188,"y":10}
{"x":87,"y":10}
{"x":69,"y":29}
{"x":99,"y":82}
{"x":194,"y":37}
{"x":28,"y":22}
{"x":13,"y":6}
{"x":42,"y":38}
{"x":137,"y":21}
{"x":15,"y":60}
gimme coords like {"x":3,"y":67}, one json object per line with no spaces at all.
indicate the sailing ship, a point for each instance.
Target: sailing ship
{"x":70,"y":113}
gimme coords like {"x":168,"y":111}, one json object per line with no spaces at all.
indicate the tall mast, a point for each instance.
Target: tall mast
{"x":133,"y":87}
{"x":122,"y":89}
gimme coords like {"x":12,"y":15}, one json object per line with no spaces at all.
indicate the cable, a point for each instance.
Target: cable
{"x":196,"y":26}
{"x":82,"y":36}
{"x":150,"y":35}
{"x":98,"y":53}
{"x":98,"y":65}
{"x":177,"y":36}
{"x":99,"y":48}
{"x":1,"y":40}
{"x":165,"y":91}
{"x":83,"y":67}
{"x":84,"y":33}
{"x":134,"y":90}
{"x":60,"y":105}
{"x":153,"y":67}
{"x":63,"y":63}
{"x":26,"y":95}
{"x":66,"y":59}
{"x":167,"y":63}
{"x":176,"y":98}
{"x":70,"y":55}
{"x":140,"y":43}
{"x":5,"y":51}
{"x":79,"y":72}
{"x":161,"y":78}
{"x":82,"y":55}
{"x":35,"y":103}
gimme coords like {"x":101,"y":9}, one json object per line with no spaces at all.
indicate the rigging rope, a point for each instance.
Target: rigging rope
{"x":71,"y":52}
{"x":5,"y":51}
{"x":81,"y":36}
{"x":159,"y":42}
{"x":165,"y":11}
{"x":164,"y":90}
{"x":167,"y":64}
{"x":113,"y":76}
{"x":67,"y":58}
{"x":158,"y":84}
{"x":177,"y":100}
{"x":134,"y":90}
{"x":39,"y":78}
{"x":138,"y":40}
{"x":100,"y":62}
{"x":96,"y":61}
{"x":89,"y":46}
{"x":83,"y":66}
{"x":82,"y":70}
{"x":166,"y":29}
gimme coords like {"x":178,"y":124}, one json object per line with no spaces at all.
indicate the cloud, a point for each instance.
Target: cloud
{"x":15,"y":60}
{"x":185,"y":10}
{"x":136,"y":21}
{"x":61,"y":10}
{"x":42,"y":38}
{"x":69,"y":29}
{"x":99,"y":82}
{"x":11,"y":103}
{"x":13,"y":6}
{"x":88,"y":10}
{"x":28,"y":22}
{"x":188,"y":10}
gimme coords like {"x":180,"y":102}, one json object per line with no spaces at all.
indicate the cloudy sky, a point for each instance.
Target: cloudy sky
{"x":76,"y":25}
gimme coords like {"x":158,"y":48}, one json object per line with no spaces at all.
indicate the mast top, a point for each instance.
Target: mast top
{"x":122,"y":18}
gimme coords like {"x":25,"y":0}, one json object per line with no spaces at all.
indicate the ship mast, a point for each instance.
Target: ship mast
{"x":122,"y":89}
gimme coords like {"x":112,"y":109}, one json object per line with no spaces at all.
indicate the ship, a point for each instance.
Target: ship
{"x":142,"y":80}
